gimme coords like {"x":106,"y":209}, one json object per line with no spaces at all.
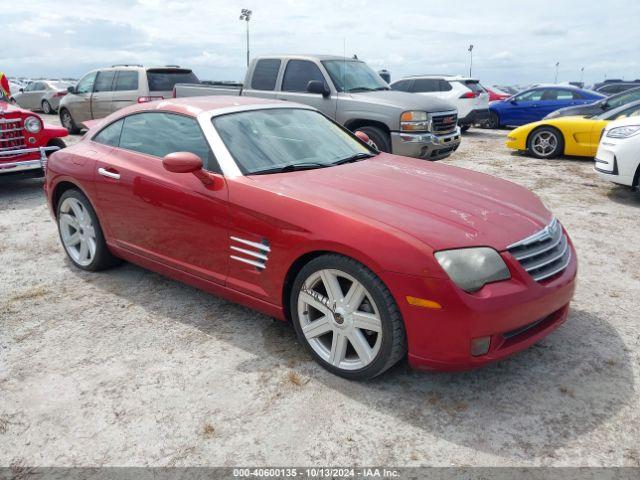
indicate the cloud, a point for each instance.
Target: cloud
{"x":549,"y":31}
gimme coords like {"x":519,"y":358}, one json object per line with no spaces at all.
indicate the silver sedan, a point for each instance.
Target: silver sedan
{"x":42,"y":95}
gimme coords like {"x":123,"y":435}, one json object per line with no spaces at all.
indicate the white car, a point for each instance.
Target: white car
{"x":471,"y":99}
{"x":618,"y":157}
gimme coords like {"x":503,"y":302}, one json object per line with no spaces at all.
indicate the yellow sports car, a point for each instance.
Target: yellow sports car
{"x":566,"y":135}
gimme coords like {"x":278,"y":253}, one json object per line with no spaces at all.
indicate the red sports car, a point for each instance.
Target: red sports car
{"x":270,"y":204}
{"x":25,"y":140}
{"x":496,"y":94}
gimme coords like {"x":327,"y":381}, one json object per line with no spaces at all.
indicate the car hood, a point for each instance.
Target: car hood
{"x":404,"y":100}
{"x":6,"y":107}
{"x":440,"y":205}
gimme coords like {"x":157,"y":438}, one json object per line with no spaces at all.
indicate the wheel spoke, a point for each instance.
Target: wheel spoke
{"x":331,"y":285}
{"x":78,"y":212}
{"x":317,"y":327}
{"x":92,"y":248}
{"x":84,"y":250}
{"x":367,"y":321}
{"x":312,"y":301}
{"x":73,"y":239}
{"x":354,"y":296}
{"x":361,"y":346}
{"x":338,"y":348}
{"x":69,"y":221}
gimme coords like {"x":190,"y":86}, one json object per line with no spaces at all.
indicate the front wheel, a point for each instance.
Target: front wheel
{"x":379,"y":139}
{"x":67,"y":121}
{"x":81,"y":234}
{"x":347,"y":318}
{"x":545,"y":142}
{"x":494,"y":120}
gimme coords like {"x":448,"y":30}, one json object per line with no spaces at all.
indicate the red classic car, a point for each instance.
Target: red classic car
{"x":25,"y":140}
{"x":270,"y":204}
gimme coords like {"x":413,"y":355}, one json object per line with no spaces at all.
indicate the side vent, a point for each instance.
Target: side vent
{"x":251,"y":253}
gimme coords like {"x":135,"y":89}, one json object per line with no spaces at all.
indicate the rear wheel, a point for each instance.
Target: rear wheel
{"x":494,"y":120}
{"x":81,"y":234}
{"x":67,"y":121}
{"x":545,"y":142}
{"x":379,"y":139}
{"x":46,"y":107}
{"x":347,"y":318}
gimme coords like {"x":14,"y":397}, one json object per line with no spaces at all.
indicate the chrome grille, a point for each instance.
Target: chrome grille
{"x":444,"y":122}
{"x":11,"y":136}
{"x":543,"y":254}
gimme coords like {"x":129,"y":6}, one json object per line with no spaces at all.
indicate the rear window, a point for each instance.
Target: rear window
{"x":426,"y":85}
{"x":474,"y":86}
{"x":265,"y":74}
{"x":164,"y":80}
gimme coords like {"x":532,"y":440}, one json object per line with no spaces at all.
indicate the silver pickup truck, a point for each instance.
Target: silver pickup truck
{"x":350,"y":92}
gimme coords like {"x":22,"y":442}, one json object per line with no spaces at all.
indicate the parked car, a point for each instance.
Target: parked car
{"x":348,"y":91}
{"x":25,"y":140}
{"x":616,"y":87}
{"x":577,"y":135}
{"x":105,"y":90}
{"x":42,"y":95}
{"x":604,"y":105}
{"x":469,"y":97}
{"x":496,"y":94}
{"x":273,"y":205}
{"x":534,"y":104}
{"x":617,"y":159}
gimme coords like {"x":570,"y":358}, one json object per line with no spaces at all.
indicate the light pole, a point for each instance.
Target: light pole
{"x":557,"y":65}
{"x":470,"y":58}
{"x":246,"y":16}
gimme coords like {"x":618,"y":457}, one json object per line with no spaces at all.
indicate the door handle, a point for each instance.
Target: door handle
{"x":106,"y":173}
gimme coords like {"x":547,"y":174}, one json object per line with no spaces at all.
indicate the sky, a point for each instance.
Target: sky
{"x":515,"y":42}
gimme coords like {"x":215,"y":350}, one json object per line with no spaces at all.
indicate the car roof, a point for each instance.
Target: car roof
{"x":309,"y":56}
{"x":193,"y":106}
{"x":442,"y":76}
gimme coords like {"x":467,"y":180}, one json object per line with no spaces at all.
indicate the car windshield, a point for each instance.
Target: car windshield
{"x":354,"y":76}
{"x":271,"y":140}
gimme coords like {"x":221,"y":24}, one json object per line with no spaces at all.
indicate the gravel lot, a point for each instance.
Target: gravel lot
{"x":126,"y":367}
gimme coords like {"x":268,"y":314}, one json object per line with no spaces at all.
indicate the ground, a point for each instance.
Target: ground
{"x":126,"y":367}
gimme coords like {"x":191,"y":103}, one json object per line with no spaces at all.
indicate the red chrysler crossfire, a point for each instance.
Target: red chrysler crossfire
{"x":270,"y":204}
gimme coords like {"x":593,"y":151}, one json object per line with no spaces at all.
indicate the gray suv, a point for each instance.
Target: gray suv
{"x":103,"y":91}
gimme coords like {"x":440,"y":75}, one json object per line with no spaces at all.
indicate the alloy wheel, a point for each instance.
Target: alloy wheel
{"x":544,"y":143}
{"x":344,"y":329}
{"x":67,"y":121}
{"x":46,"y":107}
{"x":77,"y":231}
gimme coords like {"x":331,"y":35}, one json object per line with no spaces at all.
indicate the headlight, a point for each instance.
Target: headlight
{"x":32,"y":125}
{"x":472,"y":268}
{"x":414,"y":122}
{"x":623,"y":132}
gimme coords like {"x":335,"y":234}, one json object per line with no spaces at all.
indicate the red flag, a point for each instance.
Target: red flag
{"x":4,"y":85}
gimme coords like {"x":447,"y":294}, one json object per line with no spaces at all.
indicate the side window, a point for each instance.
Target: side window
{"x":566,"y":95}
{"x":549,"y":95}
{"x":126,"y":80}
{"x":631,"y":96}
{"x":401,"y":86}
{"x":426,"y":85}
{"x":530,"y":96}
{"x":104,"y":82}
{"x":110,"y":135}
{"x":38,"y":86}
{"x":159,"y":134}
{"x":85,"y":85}
{"x":298,"y":74}
{"x":265,"y":74}
{"x":445,"y":86}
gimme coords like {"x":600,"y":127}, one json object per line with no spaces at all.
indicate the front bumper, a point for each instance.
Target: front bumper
{"x":617,"y":161}
{"x":480,"y":115}
{"x":25,"y":165}
{"x":428,"y":146}
{"x":515,"y":314}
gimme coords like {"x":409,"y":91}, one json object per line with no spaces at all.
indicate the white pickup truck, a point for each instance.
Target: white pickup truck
{"x":351,"y":93}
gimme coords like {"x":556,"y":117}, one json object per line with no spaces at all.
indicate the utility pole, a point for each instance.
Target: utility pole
{"x":582,"y":75}
{"x":470,"y":59}
{"x":557,"y":65}
{"x":245,"y":15}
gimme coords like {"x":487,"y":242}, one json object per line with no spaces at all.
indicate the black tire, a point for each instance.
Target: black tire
{"x":103,"y":258}
{"x":393,"y":343}
{"x":465,"y":128}
{"x":46,"y":107}
{"x":554,"y":152}
{"x":56,"y":142}
{"x":67,"y":121}
{"x":494,"y":120}
{"x":380,"y":138}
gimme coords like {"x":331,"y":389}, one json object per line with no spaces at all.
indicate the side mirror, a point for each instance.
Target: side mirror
{"x":513,"y":101}
{"x":316,"y":86}
{"x":363,"y":136}
{"x":21,"y":90}
{"x":604,"y":105}
{"x":71,"y":89}
{"x":182,"y":162}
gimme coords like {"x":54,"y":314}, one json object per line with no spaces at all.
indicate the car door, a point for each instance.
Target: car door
{"x":29,"y":99}
{"x":102,"y":97}
{"x":521,"y":109}
{"x":79,"y":102}
{"x":297,"y":75}
{"x":126,"y":90}
{"x":170,"y":218}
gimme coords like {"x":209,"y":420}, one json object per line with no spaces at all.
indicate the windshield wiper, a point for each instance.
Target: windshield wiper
{"x":354,"y":158}
{"x":292,"y":167}
{"x":361,"y":89}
